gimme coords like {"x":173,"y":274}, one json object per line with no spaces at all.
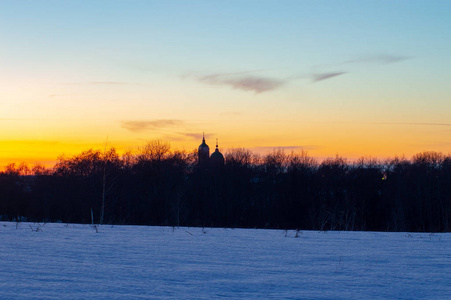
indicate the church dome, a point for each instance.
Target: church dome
{"x":217,"y":155}
{"x":204,"y":147}
{"x":203,"y":152}
{"x":217,"y":158}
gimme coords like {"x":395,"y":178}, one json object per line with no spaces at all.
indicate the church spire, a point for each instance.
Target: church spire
{"x":203,"y":152}
{"x":217,"y":159}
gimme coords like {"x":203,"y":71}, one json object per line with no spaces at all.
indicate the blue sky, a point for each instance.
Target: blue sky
{"x":255,"y":73}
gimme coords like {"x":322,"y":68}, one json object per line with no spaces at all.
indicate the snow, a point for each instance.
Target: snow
{"x":72,"y":261}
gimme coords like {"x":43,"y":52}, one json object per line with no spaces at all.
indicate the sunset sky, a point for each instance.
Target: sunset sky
{"x":354,"y":78}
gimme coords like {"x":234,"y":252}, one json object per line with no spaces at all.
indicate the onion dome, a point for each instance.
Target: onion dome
{"x":217,"y":158}
{"x":203,"y":151}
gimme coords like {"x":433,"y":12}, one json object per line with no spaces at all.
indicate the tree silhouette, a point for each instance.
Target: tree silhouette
{"x":155,"y":185}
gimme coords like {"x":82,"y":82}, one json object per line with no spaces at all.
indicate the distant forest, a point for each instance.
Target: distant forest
{"x":157,"y":186}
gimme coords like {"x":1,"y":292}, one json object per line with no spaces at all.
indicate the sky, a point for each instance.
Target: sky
{"x":353,"y":78}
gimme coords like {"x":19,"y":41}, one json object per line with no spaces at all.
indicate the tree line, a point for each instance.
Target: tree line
{"x":157,"y":186}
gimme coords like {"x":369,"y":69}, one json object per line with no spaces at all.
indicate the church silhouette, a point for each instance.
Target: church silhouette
{"x":204,"y":158}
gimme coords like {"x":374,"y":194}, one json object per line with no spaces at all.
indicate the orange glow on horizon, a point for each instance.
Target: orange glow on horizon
{"x":322,"y":141}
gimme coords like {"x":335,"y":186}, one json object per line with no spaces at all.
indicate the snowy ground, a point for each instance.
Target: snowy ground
{"x":130,"y":262}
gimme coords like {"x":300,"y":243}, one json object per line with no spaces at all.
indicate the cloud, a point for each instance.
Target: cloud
{"x":240,"y":81}
{"x":249,"y":82}
{"x":256,"y":84}
{"x":140,"y":126}
{"x":414,"y":123}
{"x":58,"y":95}
{"x":433,"y":145}
{"x":191,"y":135}
{"x":32,"y":143}
{"x":230,"y":114}
{"x":111,"y":83}
{"x":183,"y":136}
{"x":102,"y":83}
{"x":265,"y":149}
{"x":394,"y":123}
{"x":196,"y":135}
{"x":325,"y":76}
{"x":378,"y":59}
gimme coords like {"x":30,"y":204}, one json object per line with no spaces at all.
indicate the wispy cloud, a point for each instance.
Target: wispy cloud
{"x":433,"y":145}
{"x":380,"y":59}
{"x":250,"y":81}
{"x":110,"y":83}
{"x":264,"y":149}
{"x":58,"y":95}
{"x":377,"y":59}
{"x":325,"y":76}
{"x":140,"y":126}
{"x":415,"y":123}
{"x":183,"y":136}
{"x":257,"y":84}
{"x":191,"y":135}
{"x":230,"y":114}
{"x":394,"y":123}
{"x":103,"y":83}
{"x":32,"y":143}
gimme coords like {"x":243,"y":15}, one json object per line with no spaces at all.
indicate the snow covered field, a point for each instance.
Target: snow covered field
{"x":72,"y":261}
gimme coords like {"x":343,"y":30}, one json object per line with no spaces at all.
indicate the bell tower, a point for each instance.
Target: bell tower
{"x":203,"y":153}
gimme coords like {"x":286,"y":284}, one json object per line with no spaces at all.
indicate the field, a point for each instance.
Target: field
{"x":73,"y":261}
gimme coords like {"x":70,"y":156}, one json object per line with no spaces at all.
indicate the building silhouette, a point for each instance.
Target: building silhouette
{"x":204,"y":158}
{"x":203,"y":152}
{"x":217,"y":159}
